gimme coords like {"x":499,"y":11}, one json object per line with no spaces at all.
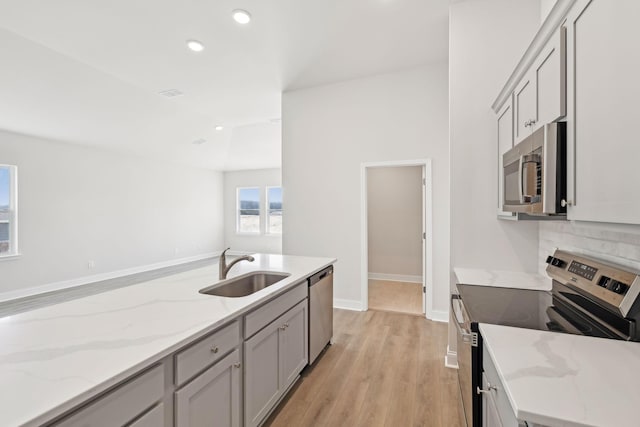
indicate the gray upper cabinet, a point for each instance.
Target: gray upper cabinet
{"x":505,"y":143}
{"x":524,"y":101}
{"x":214,"y":398}
{"x":274,"y":358}
{"x":550,"y":80}
{"x":540,"y":97}
{"x":604,"y":91}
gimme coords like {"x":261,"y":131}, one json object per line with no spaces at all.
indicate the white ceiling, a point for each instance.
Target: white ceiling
{"x":89,"y":71}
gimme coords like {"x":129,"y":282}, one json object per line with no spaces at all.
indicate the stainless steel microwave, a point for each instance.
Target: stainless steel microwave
{"x":535,"y":173}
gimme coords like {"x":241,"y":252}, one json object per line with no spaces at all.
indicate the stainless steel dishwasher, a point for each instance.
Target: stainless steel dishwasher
{"x":320,"y":312}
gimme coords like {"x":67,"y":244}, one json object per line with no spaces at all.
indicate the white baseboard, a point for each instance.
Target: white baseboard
{"x":439,"y":316}
{"x":451,"y":359}
{"x":395,"y":277}
{"x":347,"y":304}
{"x":84,"y":280}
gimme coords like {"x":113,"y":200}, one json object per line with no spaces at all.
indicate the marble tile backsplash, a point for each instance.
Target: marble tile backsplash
{"x":616,"y":243}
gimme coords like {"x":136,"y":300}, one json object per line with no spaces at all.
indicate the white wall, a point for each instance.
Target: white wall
{"x":79,"y":204}
{"x":249,"y":178}
{"x":394,"y":211}
{"x":328,"y":132}
{"x":486,"y":40}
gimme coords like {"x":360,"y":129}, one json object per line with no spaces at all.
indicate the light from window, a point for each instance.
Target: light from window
{"x":8,"y":206}
{"x":274,"y":210}
{"x":248,"y":220}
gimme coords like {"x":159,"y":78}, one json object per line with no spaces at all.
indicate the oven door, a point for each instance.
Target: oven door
{"x":465,"y":340}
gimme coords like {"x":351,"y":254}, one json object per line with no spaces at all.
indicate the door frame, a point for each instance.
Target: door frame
{"x":427,"y":226}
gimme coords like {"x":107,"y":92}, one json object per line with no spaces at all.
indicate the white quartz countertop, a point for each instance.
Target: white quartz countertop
{"x":556,"y":379}
{"x":502,"y":279}
{"x":55,"y":357}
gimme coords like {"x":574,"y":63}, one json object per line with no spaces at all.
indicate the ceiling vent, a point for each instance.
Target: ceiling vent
{"x":199,"y":141}
{"x":171,"y":93}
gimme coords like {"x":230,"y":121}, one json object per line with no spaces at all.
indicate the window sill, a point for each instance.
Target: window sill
{"x":10,"y":257}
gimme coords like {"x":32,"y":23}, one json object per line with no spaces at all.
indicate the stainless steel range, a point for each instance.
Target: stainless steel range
{"x":588,"y":297}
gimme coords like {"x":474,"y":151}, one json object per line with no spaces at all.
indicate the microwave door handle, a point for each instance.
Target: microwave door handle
{"x":521,"y":179}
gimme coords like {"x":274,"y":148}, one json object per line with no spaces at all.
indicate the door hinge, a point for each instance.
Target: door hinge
{"x":424,"y":236}
{"x":424,"y":289}
{"x":424,"y":181}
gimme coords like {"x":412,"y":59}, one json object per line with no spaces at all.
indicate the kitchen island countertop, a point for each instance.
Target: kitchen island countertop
{"x":56,"y":357}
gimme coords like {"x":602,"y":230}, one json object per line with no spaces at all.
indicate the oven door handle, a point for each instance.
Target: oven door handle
{"x":467,"y":336}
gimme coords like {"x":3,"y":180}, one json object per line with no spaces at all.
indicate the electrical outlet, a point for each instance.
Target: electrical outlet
{"x":91,"y":265}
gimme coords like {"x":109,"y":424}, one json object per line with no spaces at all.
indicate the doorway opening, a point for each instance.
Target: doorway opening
{"x":396,"y":236}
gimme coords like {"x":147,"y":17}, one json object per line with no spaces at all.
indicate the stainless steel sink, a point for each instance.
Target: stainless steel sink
{"x":244,"y":285}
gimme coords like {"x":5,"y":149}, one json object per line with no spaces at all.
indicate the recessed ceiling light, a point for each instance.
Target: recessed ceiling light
{"x":241,"y":16}
{"x":171,"y":93}
{"x":195,"y":45}
{"x":219,"y":128}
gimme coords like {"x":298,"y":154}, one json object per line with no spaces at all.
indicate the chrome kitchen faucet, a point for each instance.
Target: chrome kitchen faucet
{"x":224,"y":268}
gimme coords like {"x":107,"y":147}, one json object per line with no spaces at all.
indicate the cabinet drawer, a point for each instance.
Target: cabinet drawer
{"x":507,"y":416}
{"x":264,"y":315}
{"x":197,"y":357}
{"x":120,"y":406}
{"x":153,"y":418}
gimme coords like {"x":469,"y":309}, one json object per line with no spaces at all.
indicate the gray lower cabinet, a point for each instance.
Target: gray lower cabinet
{"x":214,"y":398}
{"x":274,"y":358}
{"x":122,"y":405}
{"x":153,"y":418}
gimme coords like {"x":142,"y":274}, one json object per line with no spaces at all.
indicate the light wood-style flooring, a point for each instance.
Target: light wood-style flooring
{"x":383,"y":369}
{"x":395,"y":296}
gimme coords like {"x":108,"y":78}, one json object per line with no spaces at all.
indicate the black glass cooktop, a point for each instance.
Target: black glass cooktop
{"x":527,"y":309}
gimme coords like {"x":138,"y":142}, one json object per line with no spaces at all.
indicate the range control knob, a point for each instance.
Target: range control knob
{"x":556,"y":262}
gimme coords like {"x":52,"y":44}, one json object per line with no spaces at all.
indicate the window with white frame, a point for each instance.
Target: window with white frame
{"x":248,"y":210}
{"x":274,"y":210}
{"x":8,"y":211}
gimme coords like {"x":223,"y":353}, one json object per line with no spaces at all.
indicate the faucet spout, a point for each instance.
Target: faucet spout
{"x":224,"y":268}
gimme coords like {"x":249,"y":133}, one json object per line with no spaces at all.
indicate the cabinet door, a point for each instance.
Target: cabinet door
{"x":262,"y":373}
{"x":524,"y":104}
{"x":505,"y":143}
{"x":490,"y":417}
{"x":605,"y":90}
{"x":212,"y":399}
{"x":293,"y":344}
{"x":550,"y":74}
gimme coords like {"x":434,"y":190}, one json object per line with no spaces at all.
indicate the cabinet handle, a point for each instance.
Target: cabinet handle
{"x":282,"y":328}
{"x":214,"y":350}
{"x":286,"y":325}
{"x":564,"y":203}
{"x":489,"y":389}
{"x":237,"y":365}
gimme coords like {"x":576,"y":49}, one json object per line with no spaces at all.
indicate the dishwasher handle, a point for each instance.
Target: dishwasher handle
{"x":320,"y":275}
